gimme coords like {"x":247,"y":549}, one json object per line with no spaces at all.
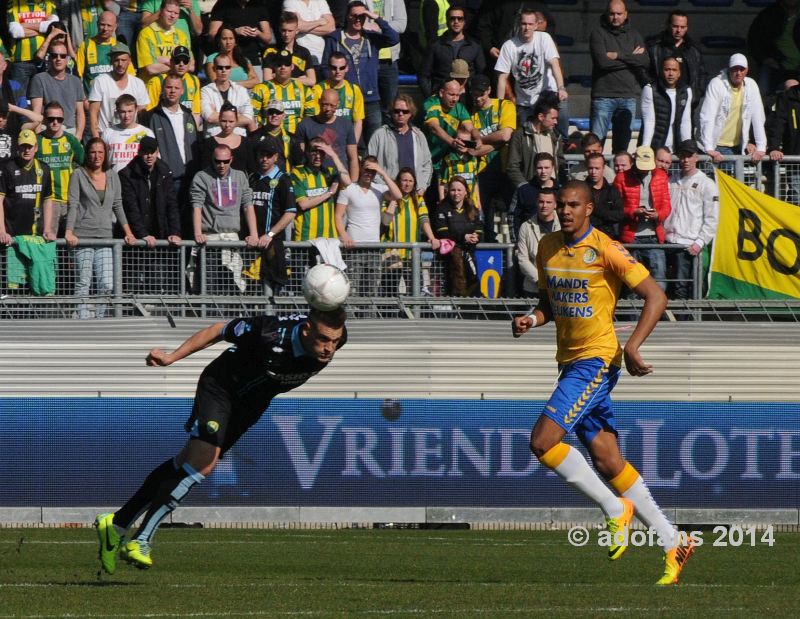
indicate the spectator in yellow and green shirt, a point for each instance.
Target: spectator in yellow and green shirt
{"x":155,"y":42}
{"x":351,"y":100}
{"x":93,"y":57}
{"x":28,"y":21}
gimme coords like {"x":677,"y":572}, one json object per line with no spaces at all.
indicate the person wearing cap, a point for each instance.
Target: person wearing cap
{"x":400,"y":144}
{"x":337,"y":131}
{"x":732,"y":108}
{"x":619,"y":68}
{"x":177,"y":136}
{"x":646,"y":205}
{"x":495,"y":121}
{"x":362,"y":48}
{"x":222,"y":90}
{"x":666,"y":108}
{"x":62,"y":152}
{"x":28,"y":21}
{"x":526,"y":58}
{"x":452,"y":45}
{"x":156,"y":41}
{"x":302,"y":62}
{"x":351,"y":101}
{"x":107,"y":87}
{"x":26,"y":193}
{"x":243,"y":71}
{"x":123,"y":138}
{"x":57,"y":85}
{"x":298,"y":99}
{"x":93,"y":57}
{"x":693,"y":220}
{"x":189,"y":21}
{"x":290,"y":152}
{"x":190,"y":97}
{"x":148,"y":197}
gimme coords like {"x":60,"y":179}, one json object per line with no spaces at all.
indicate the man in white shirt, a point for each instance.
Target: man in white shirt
{"x":360,"y":202}
{"x":314,"y":21}
{"x":222,"y":89}
{"x":666,"y":108}
{"x":526,"y":57}
{"x":693,"y":220}
{"x":123,"y":139}
{"x":107,"y":87}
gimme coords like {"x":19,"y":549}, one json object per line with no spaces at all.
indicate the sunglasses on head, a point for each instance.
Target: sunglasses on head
{"x":219,"y":161}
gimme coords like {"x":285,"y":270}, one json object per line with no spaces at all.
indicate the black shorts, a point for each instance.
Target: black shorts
{"x":218,"y":417}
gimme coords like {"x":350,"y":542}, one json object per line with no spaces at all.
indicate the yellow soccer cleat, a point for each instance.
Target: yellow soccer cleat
{"x":110,"y":542}
{"x":620,"y":530}
{"x":137,"y":554}
{"x":674,"y":560}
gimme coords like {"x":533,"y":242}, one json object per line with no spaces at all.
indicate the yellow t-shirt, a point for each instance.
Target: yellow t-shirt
{"x":351,"y":101}
{"x":732,"y":130}
{"x":154,"y":41}
{"x":582,"y":282}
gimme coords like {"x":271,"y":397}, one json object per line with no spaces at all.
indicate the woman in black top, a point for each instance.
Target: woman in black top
{"x":240,"y":146}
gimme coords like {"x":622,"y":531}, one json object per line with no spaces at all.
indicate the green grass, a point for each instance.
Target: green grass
{"x":386,"y":573}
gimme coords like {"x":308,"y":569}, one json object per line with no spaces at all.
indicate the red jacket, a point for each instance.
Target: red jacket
{"x":629,"y":187}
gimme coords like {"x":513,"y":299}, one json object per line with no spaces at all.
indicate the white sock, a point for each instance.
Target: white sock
{"x":575,"y":470}
{"x":648,"y":511}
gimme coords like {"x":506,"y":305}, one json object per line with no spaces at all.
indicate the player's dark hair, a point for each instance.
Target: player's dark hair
{"x":543,"y":106}
{"x":287,"y":17}
{"x":455,"y":7}
{"x":229,"y":107}
{"x":676,"y":13}
{"x":334,"y":319}
{"x":580,"y":186}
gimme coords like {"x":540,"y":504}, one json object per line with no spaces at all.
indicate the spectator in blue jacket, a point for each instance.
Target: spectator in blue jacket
{"x":361,"y":48}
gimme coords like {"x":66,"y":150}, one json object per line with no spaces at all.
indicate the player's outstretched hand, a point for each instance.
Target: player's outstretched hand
{"x":158,"y":358}
{"x":520,"y":325}
{"x":635,"y":364}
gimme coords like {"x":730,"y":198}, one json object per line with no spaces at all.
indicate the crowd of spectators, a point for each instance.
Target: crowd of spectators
{"x":274,"y":121}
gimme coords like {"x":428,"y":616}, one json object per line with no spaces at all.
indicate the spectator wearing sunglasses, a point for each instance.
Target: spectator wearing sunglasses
{"x":57,"y":85}
{"x":56,"y":33}
{"x":351,"y":100}
{"x":400,"y":144}
{"x":302,"y":62}
{"x":62,"y":152}
{"x":222,"y":90}
{"x":190,"y":98}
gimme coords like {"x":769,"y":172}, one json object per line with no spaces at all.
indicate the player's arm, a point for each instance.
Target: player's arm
{"x":540,"y":315}
{"x":200,"y":340}
{"x":655,"y":302}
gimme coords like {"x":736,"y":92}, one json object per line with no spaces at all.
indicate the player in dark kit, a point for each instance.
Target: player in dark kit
{"x":269,"y":356}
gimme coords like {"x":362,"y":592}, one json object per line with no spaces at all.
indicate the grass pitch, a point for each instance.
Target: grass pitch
{"x":386,"y":573}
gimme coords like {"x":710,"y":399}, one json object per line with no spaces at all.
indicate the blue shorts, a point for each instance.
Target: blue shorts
{"x":582,"y":399}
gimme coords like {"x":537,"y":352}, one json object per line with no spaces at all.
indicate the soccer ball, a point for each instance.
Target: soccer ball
{"x":326,"y":287}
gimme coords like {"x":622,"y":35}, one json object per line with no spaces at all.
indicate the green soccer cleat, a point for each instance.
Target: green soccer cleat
{"x":137,"y":554}
{"x":620,"y":530}
{"x":110,"y":542}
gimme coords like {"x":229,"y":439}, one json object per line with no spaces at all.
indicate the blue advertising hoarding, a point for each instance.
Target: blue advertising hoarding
{"x":353,"y":452}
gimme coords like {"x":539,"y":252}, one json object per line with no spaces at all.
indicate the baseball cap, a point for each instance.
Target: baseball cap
{"x":26,"y":136}
{"x":283,"y":58}
{"x":148,"y":145}
{"x":737,"y":60}
{"x":645,"y":159}
{"x":181,"y":51}
{"x":120,"y":48}
{"x":687,"y":146}
{"x":267,"y":148}
{"x":459,"y":70}
{"x":275,"y":104}
{"x":480,"y":82}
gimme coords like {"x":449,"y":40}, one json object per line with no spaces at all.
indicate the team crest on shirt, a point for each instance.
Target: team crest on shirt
{"x":273,"y":183}
{"x":589,"y":256}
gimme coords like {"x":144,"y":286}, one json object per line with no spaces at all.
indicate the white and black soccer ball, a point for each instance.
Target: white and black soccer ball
{"x":326,"y":287}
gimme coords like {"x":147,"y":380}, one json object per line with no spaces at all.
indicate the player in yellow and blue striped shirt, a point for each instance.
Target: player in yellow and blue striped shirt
{"x":581,"y":271}
{"x":27,"y":25}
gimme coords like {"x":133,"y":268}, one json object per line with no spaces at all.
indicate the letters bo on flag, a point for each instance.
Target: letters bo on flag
{"x":757,"y":248}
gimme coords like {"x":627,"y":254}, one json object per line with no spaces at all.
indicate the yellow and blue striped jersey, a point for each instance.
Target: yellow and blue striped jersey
{"x":407,"y":222}
{"x":351,"y":100}
{"x":501,"y":114}
{"x":28,"y":14}
{"x":467,"y":167}
{"x":61,"y":155}
{"x":190,"y":99}
{"x":153,"y":42}
{"x":298,"y":101}
{"x":582,"y":281}
{"x":318,"y":221}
